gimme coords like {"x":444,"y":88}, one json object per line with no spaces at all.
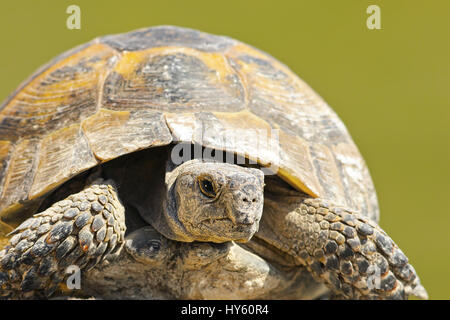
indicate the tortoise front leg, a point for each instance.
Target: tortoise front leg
{"x":81,"y":230}
{"x":353,"y":256}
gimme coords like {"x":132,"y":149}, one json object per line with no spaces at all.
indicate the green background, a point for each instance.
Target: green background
{"x":389,"y":86}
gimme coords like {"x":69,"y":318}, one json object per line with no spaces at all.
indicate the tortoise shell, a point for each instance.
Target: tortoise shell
{"x":152,"y":87}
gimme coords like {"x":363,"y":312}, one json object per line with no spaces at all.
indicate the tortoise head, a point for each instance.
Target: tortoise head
{"x":216,"y":202}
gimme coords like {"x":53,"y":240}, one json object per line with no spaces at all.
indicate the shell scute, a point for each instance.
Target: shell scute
{"x":151,"y":87}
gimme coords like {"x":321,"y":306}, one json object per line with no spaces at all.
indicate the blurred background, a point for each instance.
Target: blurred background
{"x":389,"y":86}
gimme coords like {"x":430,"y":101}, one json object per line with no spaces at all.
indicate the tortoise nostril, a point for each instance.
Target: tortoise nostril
{"x":253,"y":199}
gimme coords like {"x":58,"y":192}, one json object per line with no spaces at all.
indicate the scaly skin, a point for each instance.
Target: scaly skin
{"x":352,"y":255}
{"x":204,"y":202}
{"x":349,"y":253}
{"x":81,"y":230}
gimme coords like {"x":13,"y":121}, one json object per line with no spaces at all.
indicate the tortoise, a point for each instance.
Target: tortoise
{"x":202,"y":139}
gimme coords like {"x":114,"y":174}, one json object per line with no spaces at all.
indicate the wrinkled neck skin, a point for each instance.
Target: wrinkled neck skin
{"x":146,"y":187}
{"x":167,"y":221}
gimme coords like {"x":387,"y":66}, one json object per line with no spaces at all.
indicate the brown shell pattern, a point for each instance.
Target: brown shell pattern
{"x":151,"y":87}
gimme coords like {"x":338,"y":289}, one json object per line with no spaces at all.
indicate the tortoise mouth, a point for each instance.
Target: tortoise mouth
{"x":223,"y":229}
{"x":245,"y":218}
{"x":212,"y":220}
{"x":245,"y":222}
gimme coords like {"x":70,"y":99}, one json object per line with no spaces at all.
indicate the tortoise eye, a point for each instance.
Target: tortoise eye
{"x":207,"y":187}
